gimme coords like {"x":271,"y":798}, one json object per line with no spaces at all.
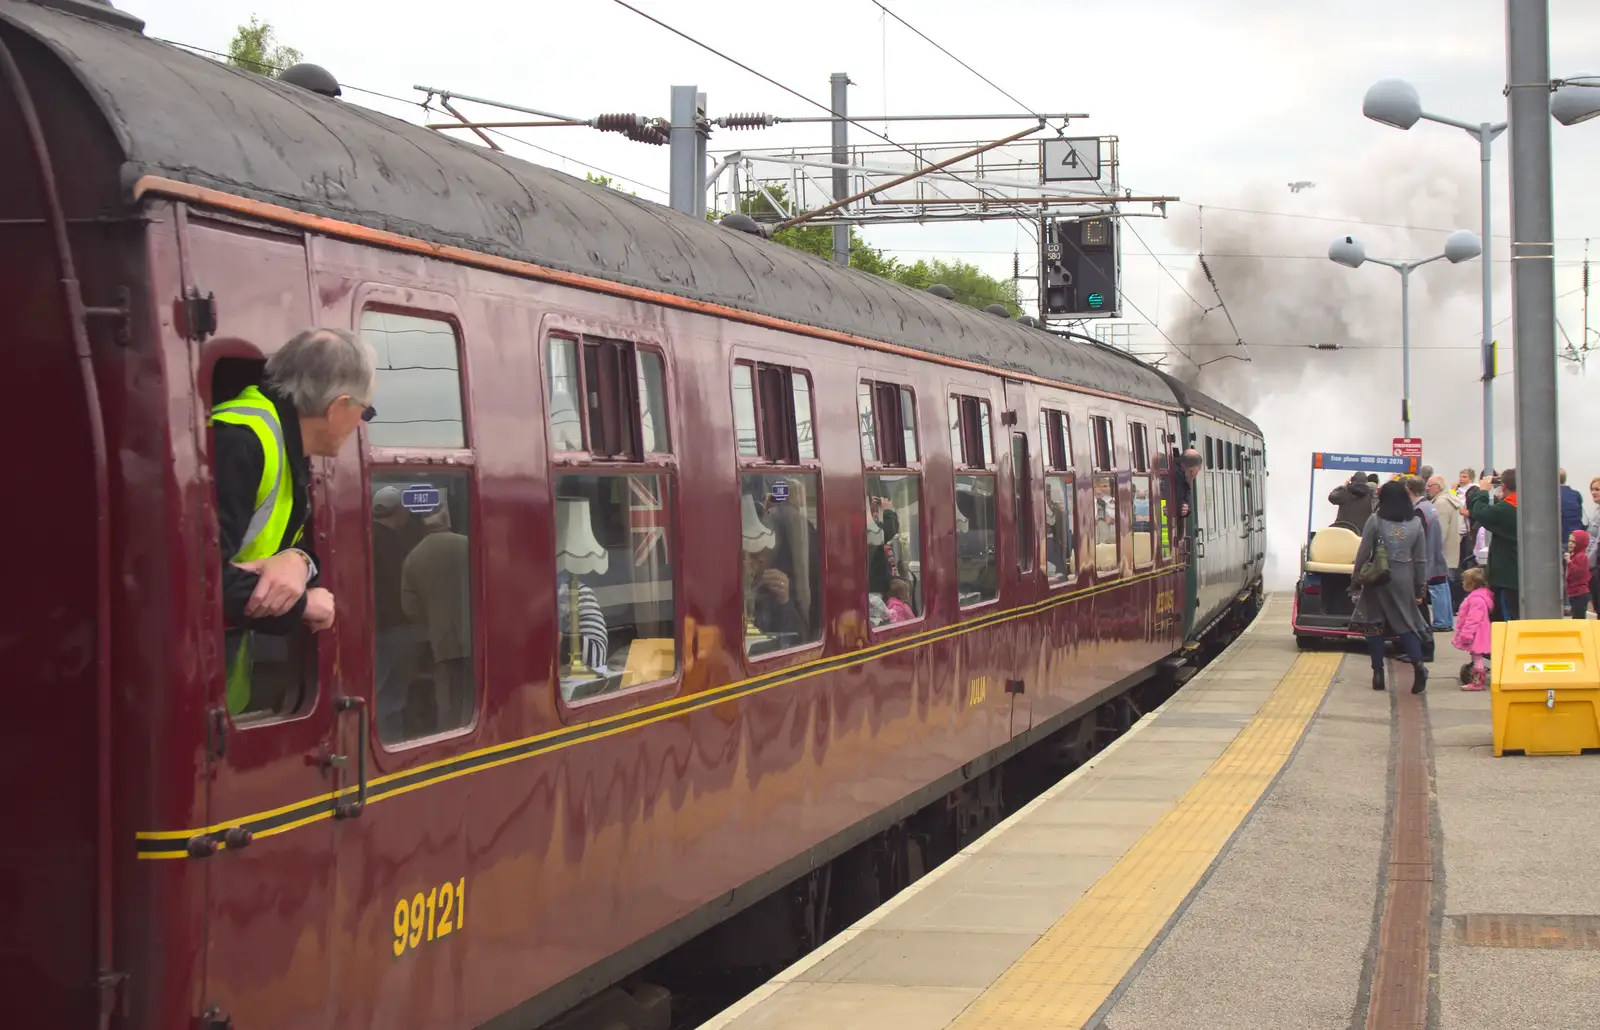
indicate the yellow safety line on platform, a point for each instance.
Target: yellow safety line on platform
{"x":1066,"y":976}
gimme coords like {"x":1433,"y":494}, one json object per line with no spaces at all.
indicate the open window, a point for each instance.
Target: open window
{"x":606,"y":399}
{"x":779,"y":507}
{"x":772,"y":413}
{"x":972,"y":452}
{"x":616,"y":612}
{"x":423,"y":563}
{"x":889,"y":450}
{"x":271,"y":677}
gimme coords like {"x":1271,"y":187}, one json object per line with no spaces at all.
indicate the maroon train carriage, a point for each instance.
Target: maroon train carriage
{"x":614,"y":428}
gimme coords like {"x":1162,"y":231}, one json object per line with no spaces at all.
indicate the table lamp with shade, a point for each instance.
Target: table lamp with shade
{"x":578,"y":553}
{"x":757,"y":536}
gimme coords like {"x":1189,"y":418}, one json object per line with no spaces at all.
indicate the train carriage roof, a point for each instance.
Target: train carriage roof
{"x":191,"y":119}
{"x":1194,"y":400}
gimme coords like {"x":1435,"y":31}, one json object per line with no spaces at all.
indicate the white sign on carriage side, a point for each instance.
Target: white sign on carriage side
{"x":1070,"y":160}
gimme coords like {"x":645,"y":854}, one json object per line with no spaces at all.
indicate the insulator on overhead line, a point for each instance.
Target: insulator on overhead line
{"x":635,"y":127}
{"x":746,"y":120}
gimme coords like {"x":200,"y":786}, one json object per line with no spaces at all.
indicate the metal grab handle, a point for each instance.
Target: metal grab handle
{"x":344,"y":809}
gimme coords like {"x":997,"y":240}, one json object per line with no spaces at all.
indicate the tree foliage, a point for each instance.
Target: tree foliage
{"x":971,"y":284}
{"x":606,"y":180}
{"x":255,"y":48}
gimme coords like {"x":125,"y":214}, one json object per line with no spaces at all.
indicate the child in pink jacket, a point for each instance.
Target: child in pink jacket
{"x":1472,"y":627}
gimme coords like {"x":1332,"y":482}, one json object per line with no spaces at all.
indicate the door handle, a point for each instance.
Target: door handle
{"x":345,"y":808}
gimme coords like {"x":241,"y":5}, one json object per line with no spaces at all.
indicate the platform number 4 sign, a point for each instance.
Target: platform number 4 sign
{"x":1070,"y":160}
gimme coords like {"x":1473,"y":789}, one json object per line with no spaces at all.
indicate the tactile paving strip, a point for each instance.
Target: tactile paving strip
{"x":1062,"y":980}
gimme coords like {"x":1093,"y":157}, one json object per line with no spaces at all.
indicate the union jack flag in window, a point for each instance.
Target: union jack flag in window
{"x":647,"y":518}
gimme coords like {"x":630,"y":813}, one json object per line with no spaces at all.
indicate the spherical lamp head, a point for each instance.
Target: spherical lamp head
{"x":1347,"y":251}
{"x":1575,"y":102}
{"x":1393,"y":102}
{"x":1463,"y":245}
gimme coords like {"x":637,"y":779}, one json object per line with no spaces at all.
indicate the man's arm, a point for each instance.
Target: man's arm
{"x":237,"y":466}
{"x":1498,"y":518}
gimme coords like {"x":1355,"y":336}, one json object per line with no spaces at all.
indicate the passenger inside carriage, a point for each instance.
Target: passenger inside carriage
{"x":613,"y":552}
{"x":781,"y":563}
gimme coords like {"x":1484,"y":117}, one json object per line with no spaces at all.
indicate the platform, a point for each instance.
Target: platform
{"x":1278,"y":846}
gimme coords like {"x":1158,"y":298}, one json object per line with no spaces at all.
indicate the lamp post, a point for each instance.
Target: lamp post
{"x":1576,"y":98}
{"x":1463,"y":245}
{"x":1395,"y":102}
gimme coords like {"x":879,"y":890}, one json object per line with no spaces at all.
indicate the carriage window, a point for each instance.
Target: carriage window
{"x":908,"y":423}
{"x":894,"y":515}
{"x":1105,"y":523}
{"x":1060,"y":557}
{"x":417,"y":390}
{"x":781,"y":548}
{"x":894,"y":548}
{"x":615,"y":626}
{"x":422,"y":581}
{"x":802,"y":416}
{"x":971,"y":442}
{"x":888,"y":416}
{"x":1055,"y":439}
{"x":1143,"y":523}
{"x":1104,"y":455}
{"x":869,"y":423}
{"x":977,"y":567}
{"x":1022,"y":497}
{"x":566,"y":425}
{"x":1139,"y":444}
{"x":653,"y":404}
{"x":772,"y":413}
{"x":1211,"y":462}
{"x":746,"y":440}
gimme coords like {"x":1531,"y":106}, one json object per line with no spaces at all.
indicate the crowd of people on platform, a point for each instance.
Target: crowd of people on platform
{"x":1449,"y":562}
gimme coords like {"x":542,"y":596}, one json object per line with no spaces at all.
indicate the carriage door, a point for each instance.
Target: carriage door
{"x":1027,"y":551}
{"x":269,"y":849}
{"x":1252,"y":519}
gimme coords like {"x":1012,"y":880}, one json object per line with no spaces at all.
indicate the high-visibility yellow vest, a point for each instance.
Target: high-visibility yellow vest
{"x":264,"y":536}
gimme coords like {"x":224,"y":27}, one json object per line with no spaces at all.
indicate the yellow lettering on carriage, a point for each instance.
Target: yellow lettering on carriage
{"x":428,"y":917}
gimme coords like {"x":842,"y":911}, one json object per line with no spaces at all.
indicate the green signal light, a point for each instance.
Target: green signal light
{"x":1096,"y":301}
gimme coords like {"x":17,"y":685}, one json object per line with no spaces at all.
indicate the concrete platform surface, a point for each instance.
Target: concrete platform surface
{"x":1236,"y":860}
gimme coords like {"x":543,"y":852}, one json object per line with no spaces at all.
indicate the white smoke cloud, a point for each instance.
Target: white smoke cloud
{"x":1307,"y":400}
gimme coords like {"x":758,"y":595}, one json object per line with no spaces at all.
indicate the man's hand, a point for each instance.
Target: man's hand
{"x":776,"y":583}
{"x":1486,"y":483}
{"x":319,"y":609}
{"x":282,"y":579}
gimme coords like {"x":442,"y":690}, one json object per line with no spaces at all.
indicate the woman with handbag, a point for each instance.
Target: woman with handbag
{"x":1391,"y":583}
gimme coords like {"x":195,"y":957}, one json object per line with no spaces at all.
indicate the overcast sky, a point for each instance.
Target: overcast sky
{"x":1221,"y":103}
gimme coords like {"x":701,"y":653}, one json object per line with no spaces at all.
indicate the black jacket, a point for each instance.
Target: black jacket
{"x":237,"y":461}
{"x":1183,"y":493}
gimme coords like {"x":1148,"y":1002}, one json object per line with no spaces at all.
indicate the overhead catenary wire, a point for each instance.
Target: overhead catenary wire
{"x":956,"y":59}
{"x":980,"y":187}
